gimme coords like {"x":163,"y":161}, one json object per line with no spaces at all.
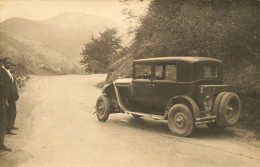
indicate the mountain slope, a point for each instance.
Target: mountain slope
{"x":60,"y":38}
{"x":30,"y":53}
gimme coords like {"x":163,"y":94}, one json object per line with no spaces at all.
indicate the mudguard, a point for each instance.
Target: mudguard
{"x":111,"y":91}
{"x":184,"y":100}
{"x":108,"y":88}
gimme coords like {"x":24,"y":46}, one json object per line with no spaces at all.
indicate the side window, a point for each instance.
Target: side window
{"x":143,"y":71}
{"x":210,"y":71}
{"x":159,"y":72}
{"x":170,"y":72}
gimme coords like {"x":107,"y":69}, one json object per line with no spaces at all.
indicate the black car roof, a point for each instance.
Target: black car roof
{"x":177,"y":59}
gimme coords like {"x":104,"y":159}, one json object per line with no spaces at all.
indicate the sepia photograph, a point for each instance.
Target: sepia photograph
{"x":129,"y":83}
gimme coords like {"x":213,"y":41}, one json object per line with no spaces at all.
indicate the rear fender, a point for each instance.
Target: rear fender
{"x":189,"y":102}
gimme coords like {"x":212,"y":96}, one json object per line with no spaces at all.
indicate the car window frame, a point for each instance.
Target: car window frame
{"x":164,"y":72}
{"x":208,"y":77}
{"x":142,"y":79}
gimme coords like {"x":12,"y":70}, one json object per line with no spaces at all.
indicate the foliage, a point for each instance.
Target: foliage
{"x":101,"y":51}
{"x":227,"y":31}
{"x":21,"y":70}
{"x":121,"y":68}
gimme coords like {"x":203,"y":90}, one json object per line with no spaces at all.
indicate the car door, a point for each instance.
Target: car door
{"x":142,"y":88}
{"x":164,"y":86}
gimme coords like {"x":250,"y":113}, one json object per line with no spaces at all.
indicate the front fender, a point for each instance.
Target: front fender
{"x":108,"y":89}
{"x":184,"y":100}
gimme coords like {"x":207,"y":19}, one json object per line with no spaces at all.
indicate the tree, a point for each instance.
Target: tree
{"x":222,"y":29}
{"x":101,"y":51}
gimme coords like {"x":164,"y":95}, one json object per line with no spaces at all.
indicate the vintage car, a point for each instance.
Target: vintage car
{"x":185,"y":91}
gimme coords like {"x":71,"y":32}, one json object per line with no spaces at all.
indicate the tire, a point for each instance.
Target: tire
{"x":180,"y":120}
{"x":215,"y":126}
{"x":102,"y":108}
{"x":216,"y":108}
{"x":230,"y":109}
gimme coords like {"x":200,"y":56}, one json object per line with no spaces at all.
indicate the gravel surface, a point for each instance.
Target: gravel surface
{"x":57,"y":128}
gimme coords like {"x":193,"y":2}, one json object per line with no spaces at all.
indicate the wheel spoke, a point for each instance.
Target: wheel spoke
{"x":101,"y":107}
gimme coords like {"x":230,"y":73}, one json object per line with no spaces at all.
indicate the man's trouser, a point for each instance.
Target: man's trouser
{"x":11,"y":115}
{"x":3,"y":122}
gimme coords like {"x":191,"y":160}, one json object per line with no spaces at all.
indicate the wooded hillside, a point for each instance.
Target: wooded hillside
{"x":226,"y":30}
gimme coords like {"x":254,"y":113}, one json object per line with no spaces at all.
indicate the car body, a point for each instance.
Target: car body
{"x":186,"y":91}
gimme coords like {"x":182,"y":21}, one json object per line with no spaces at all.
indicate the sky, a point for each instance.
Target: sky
{"x":43,"y":9}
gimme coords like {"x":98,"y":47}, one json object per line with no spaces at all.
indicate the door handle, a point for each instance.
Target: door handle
{"x":150,"y":85}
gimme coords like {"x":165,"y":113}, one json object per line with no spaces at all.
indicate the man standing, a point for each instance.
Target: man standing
{"x":14,"y":96}
{"x":5,"y":83}
{"x":8,"y":80}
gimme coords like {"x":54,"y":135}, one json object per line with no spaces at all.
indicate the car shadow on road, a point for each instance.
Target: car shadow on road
{"x":161,"y":127}
{"x":143,"y":124}
{"x":204,"y":132}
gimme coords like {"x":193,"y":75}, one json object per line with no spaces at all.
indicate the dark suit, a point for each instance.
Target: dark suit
{"x":5,"y":84}
{"x":11,"y":112}
{"x":3,"y":122}
{"x":5,"y":90}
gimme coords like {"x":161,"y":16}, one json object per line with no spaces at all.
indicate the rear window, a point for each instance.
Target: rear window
{"x":210,"y":71}
{"x":165,"y":72}
{"x":159,"y":72}
{"x":170,"y":72}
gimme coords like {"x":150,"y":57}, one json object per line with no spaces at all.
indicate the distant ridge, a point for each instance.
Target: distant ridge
{"x":61,"y":37}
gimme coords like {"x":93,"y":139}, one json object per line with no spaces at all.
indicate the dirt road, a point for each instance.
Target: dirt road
{"x":60,"y":130}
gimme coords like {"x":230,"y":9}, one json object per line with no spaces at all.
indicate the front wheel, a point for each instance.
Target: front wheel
{"x":102,"y":108}
{"x":180,"y":120}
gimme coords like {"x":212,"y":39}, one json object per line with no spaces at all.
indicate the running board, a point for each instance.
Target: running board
{"x":156,"y":117}
{"x":205,"y":120}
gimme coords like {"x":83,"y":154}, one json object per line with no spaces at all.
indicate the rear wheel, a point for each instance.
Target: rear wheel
{"x":102,"y":108}
{"x":230,"y":109}
{"x":180,"y":120}
{"x":216,"y":108}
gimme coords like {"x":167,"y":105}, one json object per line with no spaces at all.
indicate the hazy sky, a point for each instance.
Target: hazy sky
{"x":43,"y":9}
